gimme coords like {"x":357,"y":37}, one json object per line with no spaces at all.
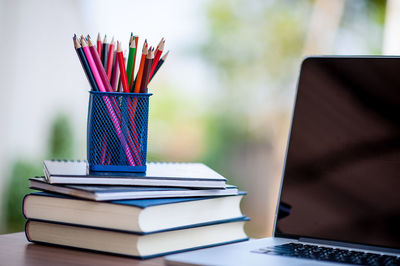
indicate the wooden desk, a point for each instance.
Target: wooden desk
{"x":16,"y":250}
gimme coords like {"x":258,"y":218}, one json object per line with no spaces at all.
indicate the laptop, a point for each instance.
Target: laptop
{"x":340,"y":191}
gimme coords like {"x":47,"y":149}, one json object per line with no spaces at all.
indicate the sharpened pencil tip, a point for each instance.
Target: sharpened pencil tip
{"x":165,"y":56}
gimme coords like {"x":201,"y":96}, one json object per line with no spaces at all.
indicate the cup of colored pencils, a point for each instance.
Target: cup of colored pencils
{"x":118,"y":101}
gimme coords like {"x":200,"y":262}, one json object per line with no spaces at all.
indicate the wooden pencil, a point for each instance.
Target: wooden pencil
{"x":134,"y":59}
{"x":131,"y":63}
{"x":157,"y":57}
{"x":99,"y":44}
{"x":115,"y":74}
{"x":136,"y":39}
{"x":110,"y":59}
{"x":85,"y":64}
{"x":92,"y":65}
{"x":146,"y":70}
{"x":99,"y":66}
{"x":159,"y":64}
{"x":121,"y":62}
{"x":141,"y":67}
{"x":104,"y":56}
{"x":158,"y":45}
{"x":89,"y":51}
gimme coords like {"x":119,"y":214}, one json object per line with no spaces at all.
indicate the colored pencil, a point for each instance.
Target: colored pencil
{"x":132,"y":104}
{"x":115,"y":74}
{"x":157,"y":57}
{"x":146,"y":70}
{"x":131,"y":38}
{"x":104,"y":56}
{"x":126,"y":141}
{"x":107,"y":101}
{"x":158,"y":45}
{"x":92,"y":65}
{"x":105,"y":69}
{"x":85,"y":64}
{"x":99,"y":44}
{"x":136,"y":40}
{"x":134,"y":61}
{"x":141,"y":67}
{"x":121,"y":62}
{"x":110,"y":59}
{"x":131,"y":63}
{"x":159,"y":64}
{"x":120,"y":89}
{"x":99,"y":66}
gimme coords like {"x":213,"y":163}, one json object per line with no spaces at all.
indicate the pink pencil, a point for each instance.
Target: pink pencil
{"x":99,"y":66}
{"x":110,"y":109}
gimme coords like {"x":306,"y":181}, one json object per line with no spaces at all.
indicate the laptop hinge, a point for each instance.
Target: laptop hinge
{"x":347,"y":245}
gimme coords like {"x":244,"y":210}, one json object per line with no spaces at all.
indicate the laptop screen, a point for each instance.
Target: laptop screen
{"x":342,"y":173}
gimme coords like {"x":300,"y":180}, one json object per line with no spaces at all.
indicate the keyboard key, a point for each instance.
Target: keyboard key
{"x":329,"y":254}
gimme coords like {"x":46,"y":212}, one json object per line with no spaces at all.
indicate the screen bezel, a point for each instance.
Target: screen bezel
{"x":312,"y":60}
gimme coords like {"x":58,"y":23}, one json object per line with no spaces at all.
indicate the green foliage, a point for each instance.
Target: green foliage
{"x":252,"y":45}
{"x":60,"y":146}
{"x":255,"y":41}
{"x":17,"y":187}
{"x":226,"y":136}
{"x":61,"y":139}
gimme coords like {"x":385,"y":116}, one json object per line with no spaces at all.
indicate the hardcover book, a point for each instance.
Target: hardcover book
{"x":131,"y":244}
{"x":139,"y":216}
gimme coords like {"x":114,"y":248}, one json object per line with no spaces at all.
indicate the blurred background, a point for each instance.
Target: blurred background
{"x":223,"y":97}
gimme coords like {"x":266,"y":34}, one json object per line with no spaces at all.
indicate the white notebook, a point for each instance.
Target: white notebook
{"x":195,"y":175}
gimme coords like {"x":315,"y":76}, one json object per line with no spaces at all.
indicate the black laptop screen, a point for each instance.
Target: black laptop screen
{"x":342,"y":173}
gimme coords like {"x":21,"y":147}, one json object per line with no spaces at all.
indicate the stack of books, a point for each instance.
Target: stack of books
{"x":172,"y":207}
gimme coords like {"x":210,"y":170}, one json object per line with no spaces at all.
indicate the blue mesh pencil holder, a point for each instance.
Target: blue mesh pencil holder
{"x":117,"y":131}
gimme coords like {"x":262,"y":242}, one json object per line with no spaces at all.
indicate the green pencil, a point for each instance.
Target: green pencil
{"x":131,"y":62}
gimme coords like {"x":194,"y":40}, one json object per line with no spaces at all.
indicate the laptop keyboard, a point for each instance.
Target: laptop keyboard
{"x":329,"y":254}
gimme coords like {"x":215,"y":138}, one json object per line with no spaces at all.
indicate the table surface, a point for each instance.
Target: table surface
{"x":16,"y":250}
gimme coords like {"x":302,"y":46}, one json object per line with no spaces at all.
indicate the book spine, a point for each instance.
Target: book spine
{"x":23,"y":206}
{"x":27,"y":231}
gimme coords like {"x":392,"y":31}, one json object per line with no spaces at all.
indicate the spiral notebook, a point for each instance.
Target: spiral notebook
{"x":116,"y":192}
{"x":194,"y":175}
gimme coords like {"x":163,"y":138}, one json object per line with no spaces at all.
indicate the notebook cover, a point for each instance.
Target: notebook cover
{"x":104,"y":189}
{"x":155,"y":170}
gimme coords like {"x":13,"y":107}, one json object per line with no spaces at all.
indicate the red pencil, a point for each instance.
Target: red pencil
{"x":158,"y":45}
{"x":121,"y":61}
{"x":157,"y":57}
{"x":146,"y":71}
{"x":99,"y":44}
{"x":110,"y":59}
